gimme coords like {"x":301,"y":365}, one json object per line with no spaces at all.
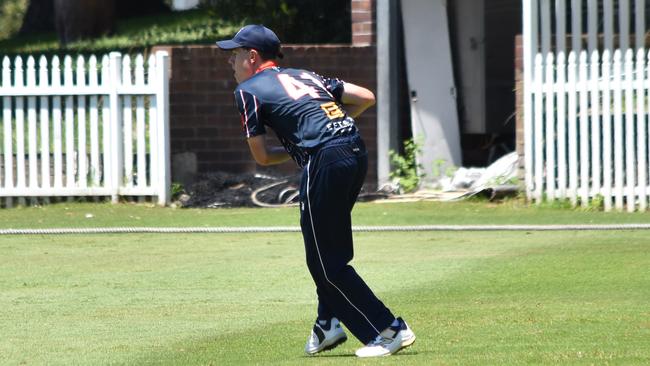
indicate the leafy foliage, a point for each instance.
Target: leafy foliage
{"x":11,"y":16}
{"x":405,"y":167}
{"x":294,"y":21}
{"x":132,"y":35}
{"x":177,"y":190}
{"x":442,"y":169}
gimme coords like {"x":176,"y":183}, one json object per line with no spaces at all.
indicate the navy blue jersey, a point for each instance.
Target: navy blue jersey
{"x":304,"y":109}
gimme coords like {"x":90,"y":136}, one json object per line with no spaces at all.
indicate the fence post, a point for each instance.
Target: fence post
{"x":530,"y":30}
{"x":117,"y":152}
{"x":162,"y":104}
{"x":8,"y":131}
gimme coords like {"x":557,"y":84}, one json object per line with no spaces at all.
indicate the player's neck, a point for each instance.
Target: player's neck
{"x":266,"y":65}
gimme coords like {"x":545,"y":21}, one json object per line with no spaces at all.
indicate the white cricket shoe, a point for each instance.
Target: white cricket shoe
{"x":325,"y":337}
{"x":402,"y":337}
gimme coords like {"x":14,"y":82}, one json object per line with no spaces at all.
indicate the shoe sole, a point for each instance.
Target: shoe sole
{"x":336,"y":343}
{"x":405,"y":344}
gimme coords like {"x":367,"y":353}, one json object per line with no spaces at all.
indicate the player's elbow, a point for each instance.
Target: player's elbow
{"x":370,"y":99}
{"x":261,"y":158}
{"x":265,"y":159}
{"x":257,"y":147}
{"x":263,"y":162}
{"x":357,"y":95}
{"x":365,"y":97}
{"x":366,"y":101}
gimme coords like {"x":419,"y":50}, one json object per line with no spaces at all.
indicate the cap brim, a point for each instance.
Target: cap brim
{"x":228,"y":44}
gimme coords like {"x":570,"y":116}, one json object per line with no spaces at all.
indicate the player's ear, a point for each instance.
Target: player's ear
{"x":253,"y":55}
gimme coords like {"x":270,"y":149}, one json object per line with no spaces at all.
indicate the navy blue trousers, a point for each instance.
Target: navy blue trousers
{"x":330,"y":185}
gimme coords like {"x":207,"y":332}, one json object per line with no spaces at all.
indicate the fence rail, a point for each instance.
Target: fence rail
{"x":85,"y":128}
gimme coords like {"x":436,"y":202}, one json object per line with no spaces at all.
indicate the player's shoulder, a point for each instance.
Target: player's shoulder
{"x":246,"y":86}
{"x":258,"y":82}
{"x":296,"y":72}
{"x":247,"y":90}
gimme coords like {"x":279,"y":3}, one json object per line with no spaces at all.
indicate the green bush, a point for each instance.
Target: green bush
{"x":177,"y":190}
{"x":294,"y":21}
{"x":405,"y":166}
{"x":132,"y":35}
{"x":11,"y":16}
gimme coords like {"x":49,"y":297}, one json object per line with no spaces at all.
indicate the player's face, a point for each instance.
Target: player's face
{"x":240,"y":60}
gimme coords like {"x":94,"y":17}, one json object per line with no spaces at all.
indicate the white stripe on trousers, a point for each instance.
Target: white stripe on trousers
{"x":311,"y":219}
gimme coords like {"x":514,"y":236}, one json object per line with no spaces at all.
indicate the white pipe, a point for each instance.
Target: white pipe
{"x":295,"y":229}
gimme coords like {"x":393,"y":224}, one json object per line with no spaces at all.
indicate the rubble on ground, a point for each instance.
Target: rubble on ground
{"x":221,"y":189}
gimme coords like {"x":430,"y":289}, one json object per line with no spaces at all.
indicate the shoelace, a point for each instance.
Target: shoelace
{"x":380,"y":341}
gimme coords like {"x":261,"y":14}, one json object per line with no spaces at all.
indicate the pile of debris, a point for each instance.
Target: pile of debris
{"x":221,"y":189}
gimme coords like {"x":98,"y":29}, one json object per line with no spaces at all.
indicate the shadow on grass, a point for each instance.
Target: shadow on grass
{"x":352,"y":355}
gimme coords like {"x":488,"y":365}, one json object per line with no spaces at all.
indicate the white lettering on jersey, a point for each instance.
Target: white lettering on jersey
{"x":320,"y":84}
{"x":296,"y":88}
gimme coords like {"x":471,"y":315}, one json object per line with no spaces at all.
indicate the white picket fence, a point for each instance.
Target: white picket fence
{"x":85,"y":128}
{"x":586,"y":108}
{"x":590,"y":122}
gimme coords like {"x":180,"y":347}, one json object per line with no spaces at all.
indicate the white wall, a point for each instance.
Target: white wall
{"x":434,"y":116}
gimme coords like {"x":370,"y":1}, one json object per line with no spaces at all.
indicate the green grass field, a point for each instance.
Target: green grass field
{"x":577,"y":297}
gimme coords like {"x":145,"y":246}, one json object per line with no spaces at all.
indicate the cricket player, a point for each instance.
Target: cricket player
{"x":312,"y":117}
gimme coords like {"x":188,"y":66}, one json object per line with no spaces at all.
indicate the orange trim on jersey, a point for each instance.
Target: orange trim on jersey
{"x":266,"y":65}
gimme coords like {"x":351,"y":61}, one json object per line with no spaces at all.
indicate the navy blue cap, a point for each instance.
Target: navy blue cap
{"x":256,"y":37}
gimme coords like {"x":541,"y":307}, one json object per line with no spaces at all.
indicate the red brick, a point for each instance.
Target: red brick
{"x":203,"y":110}
{"x":194,"y":145}
{"x":366,"y":5}
{"x":207,"y":132}
{"x":181,"y":86}
{"x":181,"y":133}
{"x":176,"y":145}
{"x":362,"y":39}
{"x":361,"y":16}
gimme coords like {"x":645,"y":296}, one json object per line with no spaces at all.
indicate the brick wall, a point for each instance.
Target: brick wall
{"x":363,"y":22}
{"x":203,"y":116}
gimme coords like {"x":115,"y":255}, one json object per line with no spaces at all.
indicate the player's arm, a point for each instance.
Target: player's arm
{"x":356,"y":99}
{"x":266,"y":155}
{"x":249,"y":108}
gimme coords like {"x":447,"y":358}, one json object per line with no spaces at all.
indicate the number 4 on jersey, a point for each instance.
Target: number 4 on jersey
{"x":296,"y":88}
